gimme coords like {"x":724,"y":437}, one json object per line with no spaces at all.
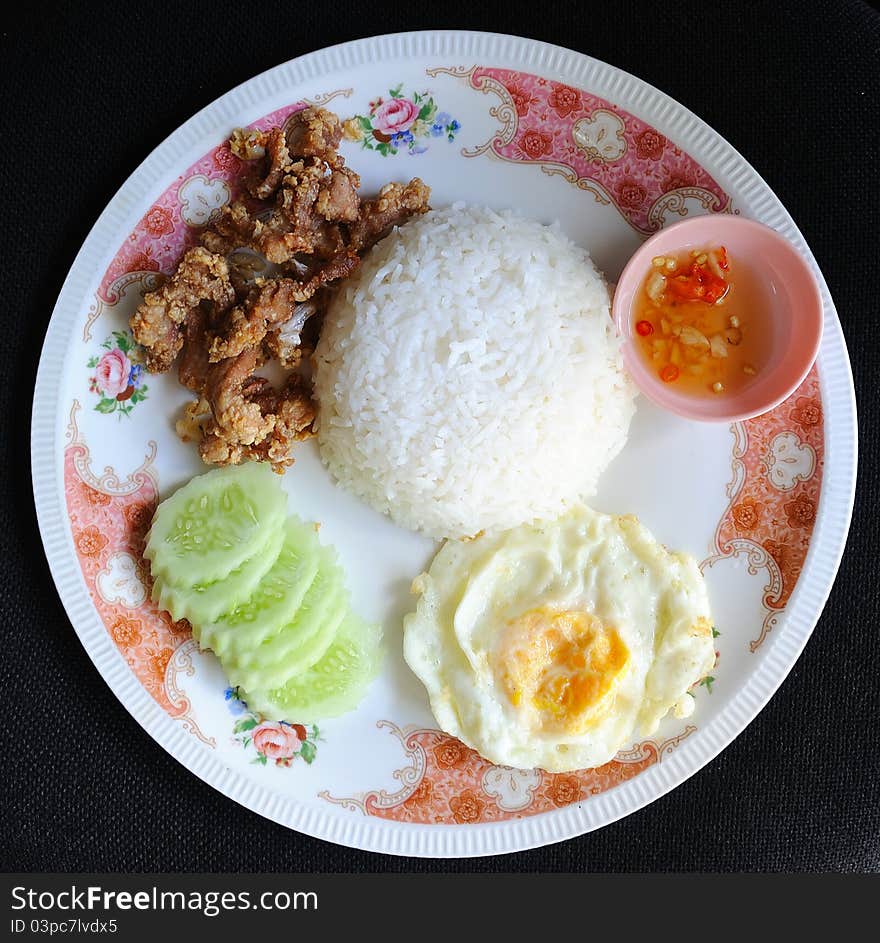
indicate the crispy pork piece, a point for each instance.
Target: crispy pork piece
{"x":394,"y":205}
{"x":250,"y":419}
{"x":294,"y":412}
{"x":278,"y":157}
{"x":236,"y":420}
{"x":192,"y":368}
{"x":201,"y":277}
{"x":297,"y":338}
{"x":248,"y":143}
{"x":338,"y":199}
{"x":271,"y":148}
{"x":233,"y":228}
{"x":269,"y":305}
{"x":195,"y":416}
{"x":314,"y":132}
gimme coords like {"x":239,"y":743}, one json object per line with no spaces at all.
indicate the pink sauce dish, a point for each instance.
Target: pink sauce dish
{"x":721,"y":318}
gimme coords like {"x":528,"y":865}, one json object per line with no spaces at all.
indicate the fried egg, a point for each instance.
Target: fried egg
{"x":556,"y":644}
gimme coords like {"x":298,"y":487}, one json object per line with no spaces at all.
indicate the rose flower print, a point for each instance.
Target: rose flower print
{"x":118,"y":378}
{"x":277,"y":742}
{"x":401,"y":124}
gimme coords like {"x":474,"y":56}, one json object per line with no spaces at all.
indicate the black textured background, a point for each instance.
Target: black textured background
{"x":89,"y":89}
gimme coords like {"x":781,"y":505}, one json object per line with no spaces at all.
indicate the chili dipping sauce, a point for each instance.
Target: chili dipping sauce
{"x":698,"y":322}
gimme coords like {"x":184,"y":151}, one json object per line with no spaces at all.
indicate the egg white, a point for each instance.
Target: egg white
{"x":608,"y":566}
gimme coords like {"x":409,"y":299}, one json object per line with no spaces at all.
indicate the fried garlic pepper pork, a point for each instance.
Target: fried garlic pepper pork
{"x":264,"y":272}
{"x":201,"y":281}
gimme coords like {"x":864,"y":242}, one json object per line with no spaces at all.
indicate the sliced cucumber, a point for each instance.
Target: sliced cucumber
{"x":206,"y":602}
{"x":333,"y":685}
{"x":274,"y":602}
{"x":213,"y":524}
{"x":262,"y":593}
{"x":302,"y":642}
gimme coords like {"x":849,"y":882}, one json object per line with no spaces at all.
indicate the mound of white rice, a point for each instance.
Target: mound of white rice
{"x":468,"y":376}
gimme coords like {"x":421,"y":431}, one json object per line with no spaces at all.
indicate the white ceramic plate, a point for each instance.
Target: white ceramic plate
{"x":510,"y":122}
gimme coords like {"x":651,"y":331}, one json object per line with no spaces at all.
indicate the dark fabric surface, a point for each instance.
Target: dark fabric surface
{"x":89,"y":90}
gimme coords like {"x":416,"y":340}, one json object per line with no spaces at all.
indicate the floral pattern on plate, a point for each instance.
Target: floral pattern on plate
{"x":109,"y":520}
{"x":118,"y":377}
{"x":777,"y":465}
{"x":593,"y":144}
{"x":401,"y":123}
{"x":447,"y":783}
{"x":277,"y":741}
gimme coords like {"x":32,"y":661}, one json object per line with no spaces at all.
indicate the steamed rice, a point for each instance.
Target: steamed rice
{"x":468,"y":375}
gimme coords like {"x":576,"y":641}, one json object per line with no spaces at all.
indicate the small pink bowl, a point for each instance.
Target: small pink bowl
{"x":793,"y":302}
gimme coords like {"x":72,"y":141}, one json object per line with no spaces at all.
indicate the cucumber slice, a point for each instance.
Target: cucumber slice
{"x":300,"y":643}
{"x":206,"y":602}
{"x":333,"y":685}
{"x":210,"y":526}
{"x":274,"y":602}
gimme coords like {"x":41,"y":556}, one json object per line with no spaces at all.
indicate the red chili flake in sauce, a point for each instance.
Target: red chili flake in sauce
{"x":699,"y":282}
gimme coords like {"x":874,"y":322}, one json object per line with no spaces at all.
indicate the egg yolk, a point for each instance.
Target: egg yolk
{"x":565,"y":665}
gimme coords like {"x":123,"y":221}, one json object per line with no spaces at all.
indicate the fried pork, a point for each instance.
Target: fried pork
{"x":304,"y":227}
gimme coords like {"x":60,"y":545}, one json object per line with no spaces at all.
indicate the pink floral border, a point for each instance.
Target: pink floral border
{"x":447,"y":783}
{"x":105,"y":524}
{"x":637,"y":167}
{"x":773,"y":509}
